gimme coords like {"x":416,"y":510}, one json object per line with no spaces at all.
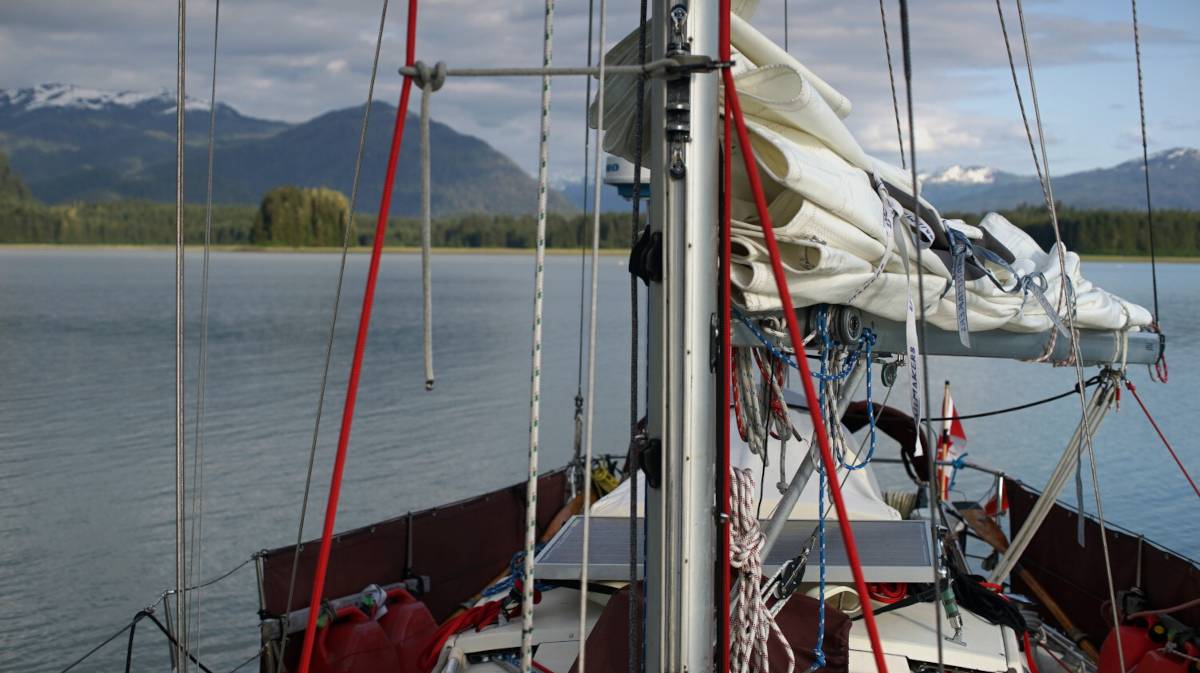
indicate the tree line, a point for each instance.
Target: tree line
{"x":316,"y":217}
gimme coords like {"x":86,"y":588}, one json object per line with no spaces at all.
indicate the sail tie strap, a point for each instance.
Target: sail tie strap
{"x":960,"y":250}
{"x":1170,"y":449}
{"x":889,"y":221}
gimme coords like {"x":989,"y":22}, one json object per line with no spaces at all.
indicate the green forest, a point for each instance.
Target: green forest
{"x":308,"y":217}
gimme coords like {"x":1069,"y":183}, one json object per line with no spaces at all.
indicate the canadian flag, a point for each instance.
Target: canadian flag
{"x":952,"y":443}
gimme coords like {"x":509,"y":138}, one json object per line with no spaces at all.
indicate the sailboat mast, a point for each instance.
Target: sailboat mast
{"x":684,"y":210}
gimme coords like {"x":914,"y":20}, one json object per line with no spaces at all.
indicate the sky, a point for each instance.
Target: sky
{"x":295,"y":59}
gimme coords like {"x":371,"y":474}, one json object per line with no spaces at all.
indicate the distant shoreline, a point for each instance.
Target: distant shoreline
{"x":357,"y":250}
{"x":407,"y":250}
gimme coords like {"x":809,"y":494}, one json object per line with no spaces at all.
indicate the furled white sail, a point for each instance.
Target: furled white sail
{"x":828,"y":213}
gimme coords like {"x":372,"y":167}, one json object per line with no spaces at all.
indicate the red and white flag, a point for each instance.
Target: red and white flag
{"x":952,"y":443}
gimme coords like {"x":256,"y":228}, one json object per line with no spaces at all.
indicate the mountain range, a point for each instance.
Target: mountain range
{"x":1174,"y":182}
{"x":71,"y":143}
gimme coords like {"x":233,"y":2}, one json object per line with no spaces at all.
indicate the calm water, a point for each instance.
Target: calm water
{"x":86,"y":421}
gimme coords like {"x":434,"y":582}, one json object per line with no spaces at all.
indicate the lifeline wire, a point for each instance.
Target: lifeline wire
{"x":202,"y":367}
{"x":180,"y":455}
{"x":591,"y":376}
{"x":1137,"y":50}
{"x":535,"y":378}
{"x":337,"y":302}
{"x":935,"y":506}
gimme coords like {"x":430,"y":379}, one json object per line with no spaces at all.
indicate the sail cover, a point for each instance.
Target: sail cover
{"x":837,"y":212}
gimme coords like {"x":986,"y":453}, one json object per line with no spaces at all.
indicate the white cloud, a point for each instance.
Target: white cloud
{"x":314,"y":56}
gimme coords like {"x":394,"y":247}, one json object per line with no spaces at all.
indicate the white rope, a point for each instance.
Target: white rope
{"x":751,"y":622}
{"x":589,"y":417}
{"x":426,"y":233}
{"x":535,"y":378}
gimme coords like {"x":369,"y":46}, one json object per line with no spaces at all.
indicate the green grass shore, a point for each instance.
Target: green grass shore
{"x":407,"y":250}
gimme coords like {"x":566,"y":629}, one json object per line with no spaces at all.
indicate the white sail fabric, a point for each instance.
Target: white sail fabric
{"x":828,"y":216}
{"x":860,"y":490}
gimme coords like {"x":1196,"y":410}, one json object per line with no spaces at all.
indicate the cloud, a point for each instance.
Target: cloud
{"x":294,"y":59}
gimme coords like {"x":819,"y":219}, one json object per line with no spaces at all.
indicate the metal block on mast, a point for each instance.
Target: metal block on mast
{"x":681,"y":524}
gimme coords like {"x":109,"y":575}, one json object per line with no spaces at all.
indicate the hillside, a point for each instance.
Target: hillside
{"x":76,"y":144}
{"x":1174,"y":181}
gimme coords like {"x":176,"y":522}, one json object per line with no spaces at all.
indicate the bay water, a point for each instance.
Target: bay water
{"x":87,"y":420}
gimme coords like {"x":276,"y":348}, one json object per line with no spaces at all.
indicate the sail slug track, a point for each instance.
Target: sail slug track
{"x":734,"y":108}
{"x":360,"y":345}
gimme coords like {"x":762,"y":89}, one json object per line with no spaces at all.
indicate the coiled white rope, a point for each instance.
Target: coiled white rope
{"x":751,"y":622}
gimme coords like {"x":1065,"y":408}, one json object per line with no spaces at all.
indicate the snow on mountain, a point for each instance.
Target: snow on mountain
{"x":71,"y":96}
{"x":963,"y":175}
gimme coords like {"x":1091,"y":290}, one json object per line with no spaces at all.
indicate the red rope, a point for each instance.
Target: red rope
{"x":1132,"y":389}
{"x":360,"y":344}
{"x":1029,"y":653}
{"x":733,"y":106}
{"x":725,"y":378}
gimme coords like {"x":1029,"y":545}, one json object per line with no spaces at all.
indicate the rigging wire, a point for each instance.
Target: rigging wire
{"x":935,"y":507}
{"x":1186,"y":475}
{"x":197,"y":538}
{"x":535,"y":378}
{"x":1084,"y":426}
{"x":785,"y":25}
{"x":347,"y":235}
{"x":589,"y":417}
{"x":887,"y":51}
{"x":1137,"y":50}
{"x":634,"y":457}
{"x":360,"y":346}
{"x":580,"y":233}
{"x":180,"y":454}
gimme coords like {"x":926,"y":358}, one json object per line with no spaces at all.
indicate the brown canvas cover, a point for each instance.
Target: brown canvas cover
{"x":460,"y":546}
{"x":1076,"y":578}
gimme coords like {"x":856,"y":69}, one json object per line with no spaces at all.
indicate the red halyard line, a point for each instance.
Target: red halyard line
{"x":360,"y":344}
{"x":733,"y":106}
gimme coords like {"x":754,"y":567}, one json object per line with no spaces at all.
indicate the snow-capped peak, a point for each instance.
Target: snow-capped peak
{"x":1176,"y":153}
{"x":964,"y":175}
{"x":57,"y":95}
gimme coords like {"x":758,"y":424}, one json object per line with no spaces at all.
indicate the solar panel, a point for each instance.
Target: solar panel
{"x":890,"y":551}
